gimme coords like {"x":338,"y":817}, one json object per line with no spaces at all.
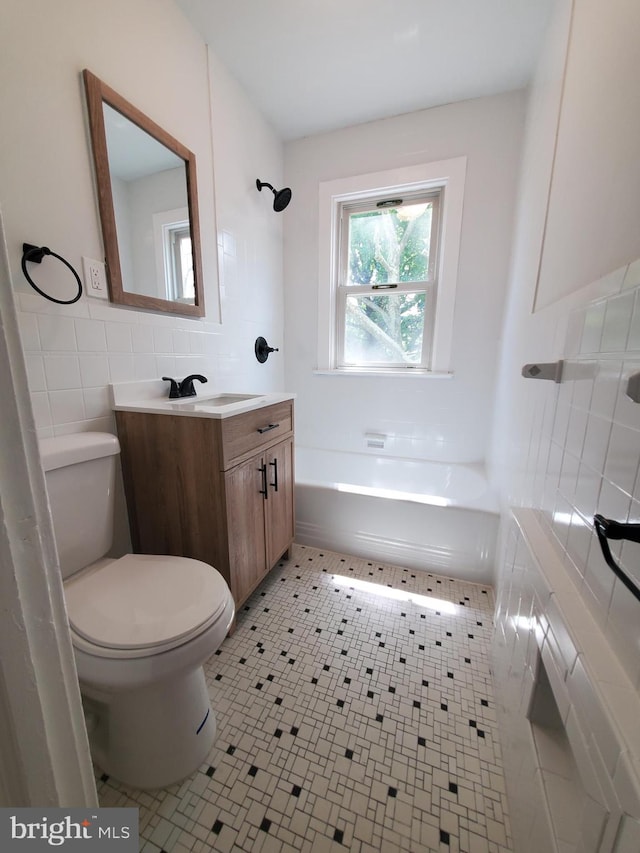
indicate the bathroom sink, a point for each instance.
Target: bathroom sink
{"x":217,"y":401}
{"x":150,"y":395}
{"x":227,"y":399}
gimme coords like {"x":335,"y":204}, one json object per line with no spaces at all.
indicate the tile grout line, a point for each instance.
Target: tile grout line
{"x":346,"y":721}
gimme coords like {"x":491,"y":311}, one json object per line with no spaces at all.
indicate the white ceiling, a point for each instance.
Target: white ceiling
{"x":133,"y":153}
{"x":317,"y":65}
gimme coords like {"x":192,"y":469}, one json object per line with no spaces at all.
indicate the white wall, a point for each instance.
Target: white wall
{"x":437,"y":419}
{"x":249,"y":234}
{"x":147,"y":51}
{"x":147,"y":196}
{"x":530,"y":415}
{"x":529,"y":337}
{"x":572,"y":449}
{"x":594,"y":205}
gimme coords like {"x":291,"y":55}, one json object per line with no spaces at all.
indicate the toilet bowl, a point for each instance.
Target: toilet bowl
{"x":141,"y":626}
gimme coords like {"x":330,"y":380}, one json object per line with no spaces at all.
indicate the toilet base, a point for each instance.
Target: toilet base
{"x":154,"y":736}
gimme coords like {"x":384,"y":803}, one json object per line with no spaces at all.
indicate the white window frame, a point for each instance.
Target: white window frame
{"x":427,"y":286}
{"x":446,"y":175}
{"x":164,"y":225}
{"x":174,"y":235}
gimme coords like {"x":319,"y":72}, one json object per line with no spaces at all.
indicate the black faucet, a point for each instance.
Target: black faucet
{"x":174,"y":391}
{"x":184,"y":388}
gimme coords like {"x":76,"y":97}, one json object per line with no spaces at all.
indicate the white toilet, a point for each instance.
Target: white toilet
{"x":142,"y":626}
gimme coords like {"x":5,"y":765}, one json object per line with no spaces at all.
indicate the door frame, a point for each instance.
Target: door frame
{"x":43,"y":738}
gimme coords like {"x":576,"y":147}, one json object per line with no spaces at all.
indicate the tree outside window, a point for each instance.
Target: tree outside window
{"x":387,"y":292}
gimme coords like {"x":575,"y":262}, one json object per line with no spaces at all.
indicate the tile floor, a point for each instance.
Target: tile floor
{"x":347,"y":720}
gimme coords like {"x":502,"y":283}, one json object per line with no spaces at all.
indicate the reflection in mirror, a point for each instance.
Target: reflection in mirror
{"x":149,"y":189}
{"x":148,"y":207}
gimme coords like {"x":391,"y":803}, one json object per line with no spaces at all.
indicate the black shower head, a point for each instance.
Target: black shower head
{"x":281,"y":197}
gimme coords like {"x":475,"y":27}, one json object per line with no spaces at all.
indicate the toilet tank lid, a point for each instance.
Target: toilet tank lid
{"x":63,"y":450}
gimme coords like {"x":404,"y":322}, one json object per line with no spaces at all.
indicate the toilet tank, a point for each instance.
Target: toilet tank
{"x":80,"y":474}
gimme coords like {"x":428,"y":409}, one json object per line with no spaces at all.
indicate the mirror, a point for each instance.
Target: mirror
{"x":147,"y":194}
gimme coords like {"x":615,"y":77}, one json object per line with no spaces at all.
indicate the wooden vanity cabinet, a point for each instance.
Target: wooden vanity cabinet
{"x":217,"y":490}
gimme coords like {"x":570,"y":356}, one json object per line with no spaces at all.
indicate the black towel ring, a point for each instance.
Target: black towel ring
{"x":35,"y":254}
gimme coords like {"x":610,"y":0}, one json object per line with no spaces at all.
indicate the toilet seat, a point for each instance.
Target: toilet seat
{"x":142,"y":604}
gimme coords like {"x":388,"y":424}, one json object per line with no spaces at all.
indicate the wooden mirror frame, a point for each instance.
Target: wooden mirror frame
{"x":97,"y":94}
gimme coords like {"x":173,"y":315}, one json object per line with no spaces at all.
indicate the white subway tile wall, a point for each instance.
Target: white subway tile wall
{"x":74,"y":352}
{"x":584,"y":457}
{"x":572,"y":776}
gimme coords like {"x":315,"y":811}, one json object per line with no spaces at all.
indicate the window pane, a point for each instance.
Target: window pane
{"x":186,"y":280}
{"x":384,"y":329}
{"x":390,"y":245}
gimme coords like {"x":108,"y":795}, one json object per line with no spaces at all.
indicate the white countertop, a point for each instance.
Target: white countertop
{"x":152,"y":396}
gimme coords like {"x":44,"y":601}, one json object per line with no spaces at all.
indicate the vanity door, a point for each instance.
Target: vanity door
{"x":244,"y":485}
{"x":279,"y":510}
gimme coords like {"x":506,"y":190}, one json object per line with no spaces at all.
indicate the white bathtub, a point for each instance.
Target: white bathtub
{"x":425,"y":515}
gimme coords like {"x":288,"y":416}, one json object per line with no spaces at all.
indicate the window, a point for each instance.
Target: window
{"x":386,"y":282}
{"x":389,"y":246}
{"x":179,"y":262}
{"x":174,"y":255}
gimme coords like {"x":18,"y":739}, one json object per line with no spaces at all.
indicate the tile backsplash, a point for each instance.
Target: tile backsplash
{"x":74,"y":352}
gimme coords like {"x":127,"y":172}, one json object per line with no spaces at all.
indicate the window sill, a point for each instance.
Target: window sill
{"x":396,"y":373}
